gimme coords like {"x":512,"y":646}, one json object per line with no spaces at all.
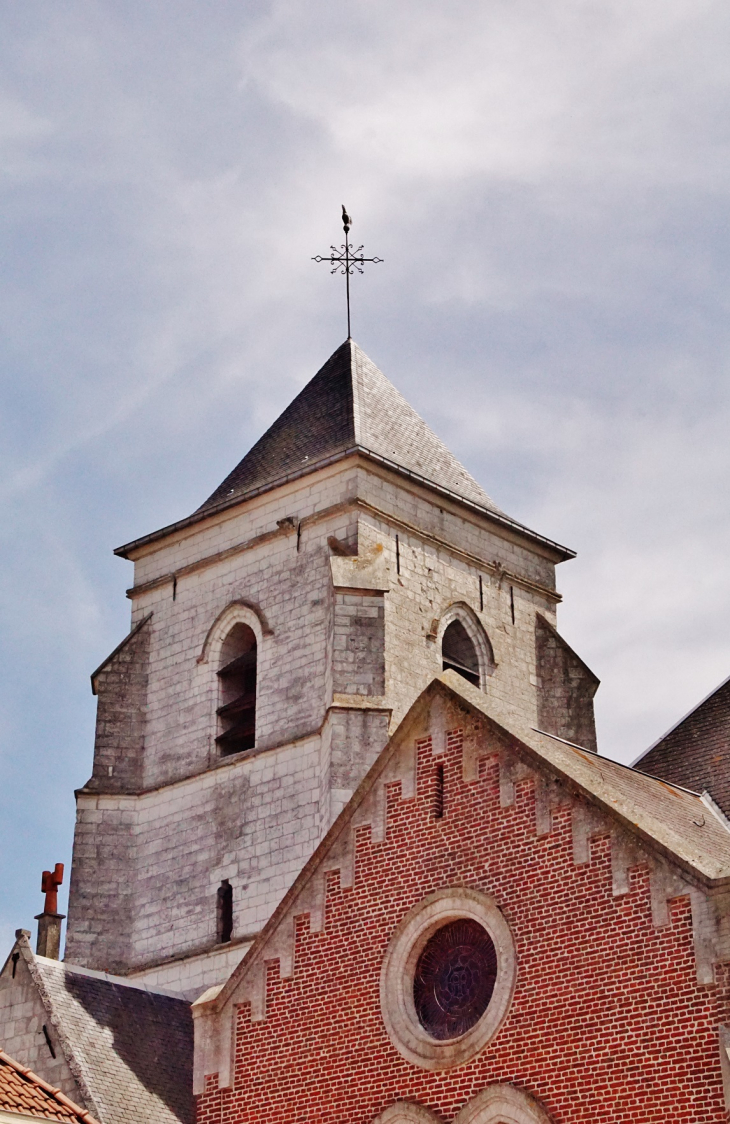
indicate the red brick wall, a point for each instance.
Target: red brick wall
{"x":608,"y":1022}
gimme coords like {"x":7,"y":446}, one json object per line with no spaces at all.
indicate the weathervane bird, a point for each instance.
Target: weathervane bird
{"x":345,"y":260}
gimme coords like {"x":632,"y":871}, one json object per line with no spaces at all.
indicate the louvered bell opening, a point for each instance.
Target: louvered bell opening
{"x":237,"y":712}
{"x":459,"y":654}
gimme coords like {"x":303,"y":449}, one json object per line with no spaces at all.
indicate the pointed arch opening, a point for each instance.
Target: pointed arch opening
{"x":459,"y":653}
{"x":503,"y":1104}
{"x":465,"y":646}
{"x":237,"y":692}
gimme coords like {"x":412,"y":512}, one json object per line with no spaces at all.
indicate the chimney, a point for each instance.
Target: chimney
{"x":49,"y":922}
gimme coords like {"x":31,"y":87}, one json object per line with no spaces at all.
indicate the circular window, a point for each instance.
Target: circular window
{"x":447,"y":978}
{"x":454,"y":979}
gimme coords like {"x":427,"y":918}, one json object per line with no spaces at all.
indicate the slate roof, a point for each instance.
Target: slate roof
{"x":348,"y":405}
{"x":129,"y":1048}
{"x":675,"y":818}
{"x":24,"y":1093}
{"x":696,"y":751}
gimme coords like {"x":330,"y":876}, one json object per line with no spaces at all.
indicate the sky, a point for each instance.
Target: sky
{"x":548,"y":185}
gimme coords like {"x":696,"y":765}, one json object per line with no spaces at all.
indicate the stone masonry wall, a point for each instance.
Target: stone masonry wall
{"x":287,"y":577}
{"x":254,"y":822}
{"x":22,"y":1017}
{"x":121,"y":689}
{"x":446,"y":520}
{"x":190,"y":976}
{"x":565,"y":689}
{"x":103,"y":890}
{"x":430,"y":581}
{"x":351,"y":742}
{"x":358,"y":655}
{"x":146,"y":867}
{"x":590,"y":1033}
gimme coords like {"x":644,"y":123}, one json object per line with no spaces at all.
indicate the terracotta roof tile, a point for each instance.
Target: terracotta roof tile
{"x":26,"y":1093}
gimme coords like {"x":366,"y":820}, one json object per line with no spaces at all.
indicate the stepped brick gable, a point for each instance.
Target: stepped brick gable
{"x":606,"y":896}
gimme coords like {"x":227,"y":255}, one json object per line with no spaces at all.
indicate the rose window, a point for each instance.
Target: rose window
{"x":454,"y":979}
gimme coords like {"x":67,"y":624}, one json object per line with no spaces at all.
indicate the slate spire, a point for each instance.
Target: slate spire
{"x":348,"y":406}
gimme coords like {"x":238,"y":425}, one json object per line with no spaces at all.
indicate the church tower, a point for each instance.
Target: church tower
{"x":279,"y":634}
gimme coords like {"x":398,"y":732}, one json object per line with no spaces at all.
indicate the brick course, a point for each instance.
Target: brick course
{"x":608,"y":1021}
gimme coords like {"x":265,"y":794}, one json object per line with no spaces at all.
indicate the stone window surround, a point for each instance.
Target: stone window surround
{"x":497,"y":1104}
{"x":238,"y":612}
{"x":474,"y":628}
{"x":399,"y":964}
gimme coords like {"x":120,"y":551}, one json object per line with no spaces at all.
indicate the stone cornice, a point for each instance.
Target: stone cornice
{"x":487,"y":567}
{"x":493,"y":516}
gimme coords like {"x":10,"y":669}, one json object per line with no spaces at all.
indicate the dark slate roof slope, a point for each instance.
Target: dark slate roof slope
{"x":134,"y":1047}
{"x":348,"y":405}
{"x":23,"y":1092}
{"x":696,"y":751}
{"x":130,"y":1048}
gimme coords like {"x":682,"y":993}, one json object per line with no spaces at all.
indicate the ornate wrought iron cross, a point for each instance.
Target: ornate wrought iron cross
{"x":345,"y":260}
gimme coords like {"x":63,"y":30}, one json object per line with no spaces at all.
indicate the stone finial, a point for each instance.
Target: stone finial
{"x":49,"y":922}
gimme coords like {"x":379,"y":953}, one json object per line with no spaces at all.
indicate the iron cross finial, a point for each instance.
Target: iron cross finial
{"x":346,"y":259}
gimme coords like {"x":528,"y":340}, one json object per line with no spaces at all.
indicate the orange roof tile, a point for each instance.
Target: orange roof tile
{"x":22,"y":1091}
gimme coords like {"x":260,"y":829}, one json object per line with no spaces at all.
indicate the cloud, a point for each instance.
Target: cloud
{"x":548,"y":185}
{"x":506,"y":90}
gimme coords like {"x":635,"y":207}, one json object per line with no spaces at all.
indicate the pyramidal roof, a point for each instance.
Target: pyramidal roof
{"x":348,"y":406}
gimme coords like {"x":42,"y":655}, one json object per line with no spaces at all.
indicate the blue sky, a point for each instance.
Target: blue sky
{"x":548,"y":184}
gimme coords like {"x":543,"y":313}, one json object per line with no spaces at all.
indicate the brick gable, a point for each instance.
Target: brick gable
{"x":608,"y":1021}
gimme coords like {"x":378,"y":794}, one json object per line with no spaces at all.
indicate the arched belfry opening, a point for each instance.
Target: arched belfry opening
{"x":459,"y":653}
{"x":465,"y":646}
{"x":237,"y":676}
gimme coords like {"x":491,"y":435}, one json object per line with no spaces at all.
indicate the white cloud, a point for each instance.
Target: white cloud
{"x":508,"y":90}
{"x":548,"y":186}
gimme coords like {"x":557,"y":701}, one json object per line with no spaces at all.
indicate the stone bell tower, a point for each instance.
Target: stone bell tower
{"x":279,"y":634}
